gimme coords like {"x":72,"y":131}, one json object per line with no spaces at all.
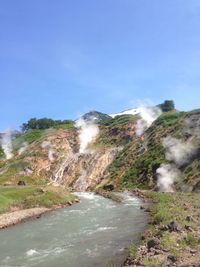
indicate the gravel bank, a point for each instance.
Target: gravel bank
{"x":12,"y":218}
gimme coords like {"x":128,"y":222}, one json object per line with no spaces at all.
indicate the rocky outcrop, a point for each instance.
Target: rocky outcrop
{"x":91,"y":176}
{"x":55,"y":158}
{"x":77,"y":171}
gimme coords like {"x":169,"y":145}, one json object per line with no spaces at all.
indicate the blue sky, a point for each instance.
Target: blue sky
{"x":62,"y":58}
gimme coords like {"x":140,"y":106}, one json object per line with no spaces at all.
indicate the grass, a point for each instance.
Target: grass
{"x":9,"y":176}
{"x":32,"y":135}
{"x":32,"y":196}
{"x":136,"y":165}
{"x":116,"y":131}
{"x":162,"y":212}
{"x":169,"y":118}
{"x":168,"y":207}
{"x":69,"y":125}
{"x":169,"y":243}
{"x":1,"y":152}
{"x":133,"y":250}
{"x":191,"y":240}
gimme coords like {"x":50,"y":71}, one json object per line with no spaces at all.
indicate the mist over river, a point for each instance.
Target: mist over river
{"x":95,"y":232}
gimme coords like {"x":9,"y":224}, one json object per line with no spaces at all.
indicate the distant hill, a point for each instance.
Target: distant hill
{"x":96,"y":116}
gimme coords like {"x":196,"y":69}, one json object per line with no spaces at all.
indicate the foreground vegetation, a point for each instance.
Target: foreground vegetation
{"x":173,"y":236}
{"x":24,"y":197}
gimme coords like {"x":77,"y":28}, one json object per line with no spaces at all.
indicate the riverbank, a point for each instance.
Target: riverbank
{"x":173,"y":235}
{"x":18,"y":204}
{"x":15,"y":217}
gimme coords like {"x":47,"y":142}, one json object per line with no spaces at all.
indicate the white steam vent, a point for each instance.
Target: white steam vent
{"x":167,"y":175}
{"x":88,"y":131}
{"x":6,"y":144}
{"x":178,"y":153}
{"x":47,"y":145}
{"x":177,"y":150}
{"x":147,"y":116}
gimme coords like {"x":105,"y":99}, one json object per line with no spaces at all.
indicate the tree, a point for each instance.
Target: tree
{"x":31,"y":124}
{"x":34,"y":123}
{"x":168,"y":105}
{"x":42,"y":124}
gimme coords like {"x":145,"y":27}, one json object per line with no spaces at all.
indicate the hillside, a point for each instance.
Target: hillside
{"x":136,"y":164}
{"x":115,"y":158}
{"x":46,"y":163}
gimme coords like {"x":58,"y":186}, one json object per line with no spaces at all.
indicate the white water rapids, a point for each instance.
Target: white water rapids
{"x":95,"y":232}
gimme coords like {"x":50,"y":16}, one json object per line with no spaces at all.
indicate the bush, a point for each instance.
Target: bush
{"x":69,"y":125}
{"x":169,"y":118}
{"x":168,"y":105}
{"x":32,"y":135}
{"x":44,"y":123}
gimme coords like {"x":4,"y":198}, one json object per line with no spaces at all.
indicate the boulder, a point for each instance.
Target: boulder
{"x":21,"y":183}
{"x":108,"y":187}
{"x":153,"y":243}
{"x":172,"y":258}
{"x":173,"y":227}
{"x":190,"y":219}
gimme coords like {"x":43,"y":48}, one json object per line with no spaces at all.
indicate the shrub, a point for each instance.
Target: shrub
{"x":168,"y":105}
{"x":44,"y":123}
{"x":32,"y":135}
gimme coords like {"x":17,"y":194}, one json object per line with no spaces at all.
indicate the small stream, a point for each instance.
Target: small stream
{"x":93,"y":233}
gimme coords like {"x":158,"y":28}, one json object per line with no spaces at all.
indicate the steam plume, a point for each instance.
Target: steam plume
{"x":192,"y":127}
{"x":51,"y":154}
{"x":47,"y":145}
{"x":167,"y":174}
{"x":88,"y":131}
{"x":22,"y":148}
{"x":6,"y":143}
{"x":148,"y":116}
{"x":81,"y":183}
{"x":178,"y":152}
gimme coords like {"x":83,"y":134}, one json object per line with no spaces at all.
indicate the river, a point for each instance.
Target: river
{"x":93,"y":233}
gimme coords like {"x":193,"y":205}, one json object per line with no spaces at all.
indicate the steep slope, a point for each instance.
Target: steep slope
{"x":137,"y":163}
{"x":54,"y":158}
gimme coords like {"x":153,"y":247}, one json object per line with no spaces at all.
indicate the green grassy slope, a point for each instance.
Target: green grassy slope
{"x":136,"y":164}
{"x":180,"y":244}
{"x":24,"y":197}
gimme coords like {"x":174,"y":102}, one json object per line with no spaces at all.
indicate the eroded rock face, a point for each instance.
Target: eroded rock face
{"x":77,"y":171}
{"x":91,"y":176}
{"x":56,"y":159}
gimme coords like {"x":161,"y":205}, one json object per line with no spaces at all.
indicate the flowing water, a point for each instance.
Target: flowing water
{"x":93,"y":233}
